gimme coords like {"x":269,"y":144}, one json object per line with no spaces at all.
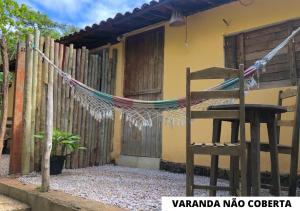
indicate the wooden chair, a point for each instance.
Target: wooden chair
{"x":215,"y":149}
{"x":293,"y":148}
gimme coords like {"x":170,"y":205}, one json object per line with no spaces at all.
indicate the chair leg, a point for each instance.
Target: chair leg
{"x":243,"y":174}
{"x":294,"y":163}
{"x":217,"y":124}
{"x":249,"y":170}
{"x":214,"y":173}
{"x":189,"y":174}
{"x":234,"y":175}
{"x":272,"y":132}
{"x":234,"y":161}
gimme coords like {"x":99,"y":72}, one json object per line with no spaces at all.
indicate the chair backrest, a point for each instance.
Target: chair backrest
{"x":291,"y":94}
{"x":215,"y":73}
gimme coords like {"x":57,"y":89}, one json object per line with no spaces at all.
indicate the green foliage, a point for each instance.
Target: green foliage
{"x":18,"y":20}
{"x":10,"y":77}
{"x":62,"y":142}
{"x":68,"y":29}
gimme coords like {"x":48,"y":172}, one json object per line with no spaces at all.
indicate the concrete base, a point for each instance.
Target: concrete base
{"x":138,"y":162}
{"x":9,"y":204}
{"x":50,"y":201}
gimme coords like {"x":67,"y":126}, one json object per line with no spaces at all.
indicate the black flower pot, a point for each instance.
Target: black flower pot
{"x":57,"y":164}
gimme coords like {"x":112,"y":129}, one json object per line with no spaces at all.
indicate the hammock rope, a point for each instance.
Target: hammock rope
{"x":140,"y":113}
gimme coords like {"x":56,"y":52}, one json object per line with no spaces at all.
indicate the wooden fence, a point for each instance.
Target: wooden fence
{"x":97,"y":70}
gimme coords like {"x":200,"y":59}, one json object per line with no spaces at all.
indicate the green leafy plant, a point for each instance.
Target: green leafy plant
{"x":63,"y":143}
{"x":17,"y":20}
{"x":10,"y":77}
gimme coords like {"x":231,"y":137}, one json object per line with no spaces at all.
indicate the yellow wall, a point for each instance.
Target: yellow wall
{"x":206,"y":32}
{"x":205,"y":48}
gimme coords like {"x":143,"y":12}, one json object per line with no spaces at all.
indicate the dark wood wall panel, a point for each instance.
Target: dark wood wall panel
{"x":248,"y":47}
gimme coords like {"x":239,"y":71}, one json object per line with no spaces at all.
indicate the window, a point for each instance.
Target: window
{"x":247,"y":47}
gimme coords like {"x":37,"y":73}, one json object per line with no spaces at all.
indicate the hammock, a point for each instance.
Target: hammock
{"x":141,"y":113}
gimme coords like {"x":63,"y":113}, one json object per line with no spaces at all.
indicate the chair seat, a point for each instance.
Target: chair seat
{"x":216,"y":148}
{"x":282,"y":149}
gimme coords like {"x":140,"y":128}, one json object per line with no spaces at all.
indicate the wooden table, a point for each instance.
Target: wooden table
{"x":255,"y":115}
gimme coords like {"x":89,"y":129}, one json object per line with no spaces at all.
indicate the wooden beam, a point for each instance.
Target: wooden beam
{"x":17,"y":127}
{"x":27,"y":107}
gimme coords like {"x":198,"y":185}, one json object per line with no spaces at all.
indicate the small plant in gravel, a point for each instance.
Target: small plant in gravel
{"x":63,"y":144}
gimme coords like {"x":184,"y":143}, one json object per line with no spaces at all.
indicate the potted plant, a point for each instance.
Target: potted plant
{"x":63,"y":145}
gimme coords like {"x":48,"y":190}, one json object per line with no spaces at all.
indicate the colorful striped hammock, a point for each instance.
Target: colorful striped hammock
{"x":142,"y":113}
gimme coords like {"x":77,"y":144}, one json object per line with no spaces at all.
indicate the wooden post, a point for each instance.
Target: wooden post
{"x":55,"y":84}
{"x":59,"y":88}
{"x":76,"y":130}
{"x":113,"y":90}
{"x":39,"y":102}
{"x":27,"y":107}
{"x":17,"y":127}
{"x":34,"y":97}
{"x":64,"y":119}
{"x":4,"y":109}
{"x":104,"y":83}
{"x":84,"y":54}
{"x":71,"y":112}
{"x":98,"y":125}
{"x":49,"y":126}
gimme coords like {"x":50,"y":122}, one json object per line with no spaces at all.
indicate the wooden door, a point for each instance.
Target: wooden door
{"x":144,"y":54}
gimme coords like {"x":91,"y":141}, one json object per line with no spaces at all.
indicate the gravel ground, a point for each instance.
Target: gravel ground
{"x":4,"y":165}
{"x":135,"y":189}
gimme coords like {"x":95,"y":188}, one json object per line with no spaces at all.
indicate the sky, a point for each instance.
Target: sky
{"x":82,"y":12}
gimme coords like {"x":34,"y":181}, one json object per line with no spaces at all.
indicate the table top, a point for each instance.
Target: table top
{"x":251,"y":107}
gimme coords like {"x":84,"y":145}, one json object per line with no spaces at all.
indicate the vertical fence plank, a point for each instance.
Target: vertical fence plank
{"x":59,"y":88}
{"x":80,"y":110}
{"x":68,"y":100}
{"x":98,"y":125}
{"x":94,"y":122}
{"x":55,"y":85}
{"x":36,"y":43}
{"x":17,"y":127}
{"x":72,"y":102}
{"x":88,"y":128}
{"x":94,"y":129}
{"x":109,"y":121}
{"x":72,"y":73}
{"x":74,"y":156}
{"x":113,"y":89}
{"x":44,"y":90}
{"x":84,"y":113}
{"x":39,"y":100}
{"x":104,"y":89}
{"x":27,"y":107}
{"x":64,"y":122}
{"x":80,"y":119}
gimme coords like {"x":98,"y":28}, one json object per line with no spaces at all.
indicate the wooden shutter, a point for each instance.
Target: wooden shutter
{"x":248,"y":47}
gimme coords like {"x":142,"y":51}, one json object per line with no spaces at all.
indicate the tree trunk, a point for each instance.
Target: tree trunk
{"x":4,"y":54}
